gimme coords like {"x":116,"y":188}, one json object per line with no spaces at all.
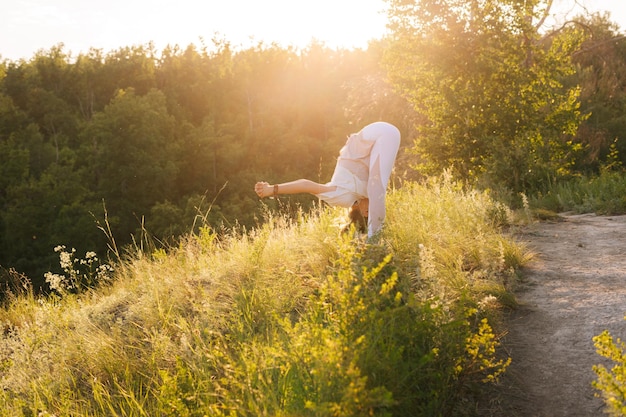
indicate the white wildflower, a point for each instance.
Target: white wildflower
{"x":489,"y":301}
{"x":55,"y":281}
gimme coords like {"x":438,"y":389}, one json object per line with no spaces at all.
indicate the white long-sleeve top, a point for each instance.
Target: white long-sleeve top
{"x":363,"y":169}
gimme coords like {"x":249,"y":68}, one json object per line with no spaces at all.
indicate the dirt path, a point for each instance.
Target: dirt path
{"x":572,"y":291}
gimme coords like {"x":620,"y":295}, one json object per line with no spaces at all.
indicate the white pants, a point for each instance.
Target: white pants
{"x":386,"y":138}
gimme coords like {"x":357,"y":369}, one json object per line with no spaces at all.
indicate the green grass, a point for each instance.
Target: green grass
{"x":602,"y":194}
{"x":290,"y":319}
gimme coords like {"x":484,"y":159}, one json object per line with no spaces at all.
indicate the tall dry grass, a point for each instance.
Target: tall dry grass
{"x":290,"y":319}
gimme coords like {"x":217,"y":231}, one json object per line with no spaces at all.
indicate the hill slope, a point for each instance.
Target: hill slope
{"x":292,"y":318}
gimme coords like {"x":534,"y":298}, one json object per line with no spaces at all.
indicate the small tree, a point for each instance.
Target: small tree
{"x":490,"y":87}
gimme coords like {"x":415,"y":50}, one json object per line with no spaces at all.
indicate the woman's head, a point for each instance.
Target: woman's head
{"x":357,"y":214}
{"x":364,"y":206}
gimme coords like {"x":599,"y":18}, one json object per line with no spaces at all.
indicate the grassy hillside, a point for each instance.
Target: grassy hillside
{"x":290,"y":319}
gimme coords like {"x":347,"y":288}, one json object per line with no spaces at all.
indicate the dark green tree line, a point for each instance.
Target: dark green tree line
{"x":601,"y":73}
{"x":163,"y":143}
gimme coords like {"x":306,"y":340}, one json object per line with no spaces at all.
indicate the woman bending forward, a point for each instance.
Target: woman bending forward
{"x":360,"y":179}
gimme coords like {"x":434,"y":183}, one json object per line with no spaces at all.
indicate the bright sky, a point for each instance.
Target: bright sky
{"x":27,"y":26}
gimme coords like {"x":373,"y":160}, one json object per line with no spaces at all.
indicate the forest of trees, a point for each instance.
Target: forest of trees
{"x":157,"y":143}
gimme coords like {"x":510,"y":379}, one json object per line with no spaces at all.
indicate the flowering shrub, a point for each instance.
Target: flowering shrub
{"x":611,"y":383}
{"x":79,"y":273}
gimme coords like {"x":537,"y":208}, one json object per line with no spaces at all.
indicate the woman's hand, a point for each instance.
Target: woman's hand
{"x":263,"y":189}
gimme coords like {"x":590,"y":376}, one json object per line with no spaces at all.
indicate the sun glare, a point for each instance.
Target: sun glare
{"x":33,"y":25}
{"x":350,"y":23}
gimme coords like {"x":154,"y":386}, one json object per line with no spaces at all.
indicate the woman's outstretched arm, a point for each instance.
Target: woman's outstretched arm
{"x":264,"y":189}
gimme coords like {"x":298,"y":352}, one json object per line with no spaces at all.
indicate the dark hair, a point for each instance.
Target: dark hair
{"x":357,"y":219}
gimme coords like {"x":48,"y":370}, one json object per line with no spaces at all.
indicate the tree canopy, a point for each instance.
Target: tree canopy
{"x":490,"y":87}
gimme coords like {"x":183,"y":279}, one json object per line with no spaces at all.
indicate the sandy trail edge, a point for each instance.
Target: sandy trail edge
{"x":573,"y":290}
